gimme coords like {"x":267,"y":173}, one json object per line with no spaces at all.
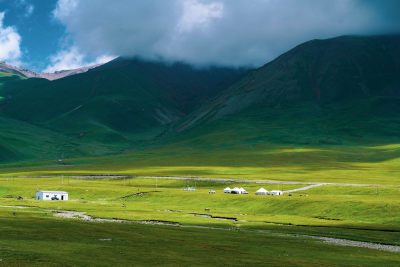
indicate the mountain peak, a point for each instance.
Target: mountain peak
{"x":4,"y":67}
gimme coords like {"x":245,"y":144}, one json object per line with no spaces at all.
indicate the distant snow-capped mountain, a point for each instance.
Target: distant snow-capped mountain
{"x":4,"y":67}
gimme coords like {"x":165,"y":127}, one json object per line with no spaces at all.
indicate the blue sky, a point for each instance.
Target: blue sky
{"x":50,"y":35}
{"x":41,"y":35}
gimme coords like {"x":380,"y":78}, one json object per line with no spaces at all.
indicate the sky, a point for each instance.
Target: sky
{"x":51,"y":35}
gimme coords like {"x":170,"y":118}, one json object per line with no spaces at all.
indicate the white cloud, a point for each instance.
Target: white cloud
{"x":10,"y":42}
{"x":72,"y":58}
{"x":103,"y":59}
{"x":64,"y":8}
{"x":197,"y":14}
{"x":225,"y":32}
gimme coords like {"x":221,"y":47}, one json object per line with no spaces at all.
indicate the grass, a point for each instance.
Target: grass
{"x":368,"y":164}
{"x":31,"y":235}
{"x":256,"y":144}
{"x":30,"y":238}
{"x":339,"y":211}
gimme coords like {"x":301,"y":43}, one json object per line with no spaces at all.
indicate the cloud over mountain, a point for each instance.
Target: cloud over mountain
{"x":9,"y":43}
{"x":223,"y":32}
{"x":72,"y":59}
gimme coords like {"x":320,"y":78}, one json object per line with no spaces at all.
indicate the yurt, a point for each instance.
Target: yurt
{"x":261,"y":191}
{"x":236,"y":190}
{"x":227,"y":190}
{"x":242,"y":191}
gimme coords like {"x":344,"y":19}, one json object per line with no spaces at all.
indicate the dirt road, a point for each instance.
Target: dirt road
{"x":218,"y":180}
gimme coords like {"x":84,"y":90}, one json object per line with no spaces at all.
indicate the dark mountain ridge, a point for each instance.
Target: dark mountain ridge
{"x":187,"y":86}
{"x":318,"y":72}
{"x":323,"y":92}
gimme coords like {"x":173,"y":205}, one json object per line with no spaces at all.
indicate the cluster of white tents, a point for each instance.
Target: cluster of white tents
{"x":260,"y":191}
{"x":235,"y":190}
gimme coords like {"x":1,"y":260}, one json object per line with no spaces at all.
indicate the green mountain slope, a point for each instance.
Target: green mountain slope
{"x":322,"y":91}
{"x":340,"y":91}
{"x":120,"y":104}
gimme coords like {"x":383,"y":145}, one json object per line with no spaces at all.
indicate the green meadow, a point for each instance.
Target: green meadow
{"x":257,"y":235}
{"x":338,"y":211}
{"x":257,"y":227}
{"x":35,"y":238}
{"x":374,"y":164}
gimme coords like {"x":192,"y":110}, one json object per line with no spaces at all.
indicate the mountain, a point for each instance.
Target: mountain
{"x":5,"y":68}
{"x":65,"y":73}
{"x":187,"y":86}
{"x":339,"y":83}
{"x":333,"y":92}
{"x":120,"y":104}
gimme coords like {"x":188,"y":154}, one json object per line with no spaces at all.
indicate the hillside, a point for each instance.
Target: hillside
{"x":120,"y":104}
{"x":342,"y":91}
{"x":322,"y":91}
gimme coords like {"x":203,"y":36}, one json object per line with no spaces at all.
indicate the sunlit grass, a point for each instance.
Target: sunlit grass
{"x":325,"y":206}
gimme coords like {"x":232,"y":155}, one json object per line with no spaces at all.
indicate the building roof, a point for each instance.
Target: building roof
{"x":53,"y":192}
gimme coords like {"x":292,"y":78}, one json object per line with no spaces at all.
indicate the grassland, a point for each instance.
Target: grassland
{"x":355,"y":213}
{"x":314,"y":146}
{"x":345,"y":164}
{"x":324,"y":210}
{"x":218,"y":150}
{"x":30,"y":238}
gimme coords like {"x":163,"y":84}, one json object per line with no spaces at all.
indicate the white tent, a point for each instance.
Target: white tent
{"x":236,"y":190}
{"x":261,"y":191}
{"x":242,"y":191}
{"x":227,"y":190}
{"x":276,"y":193}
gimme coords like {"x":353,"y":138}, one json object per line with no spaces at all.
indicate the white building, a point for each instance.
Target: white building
{"x":51,"y":195}
{"x":262,"y":191}
{"x":276,"y":193}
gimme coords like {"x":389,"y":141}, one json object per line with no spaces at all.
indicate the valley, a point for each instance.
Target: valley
{"x":320,"y":123}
